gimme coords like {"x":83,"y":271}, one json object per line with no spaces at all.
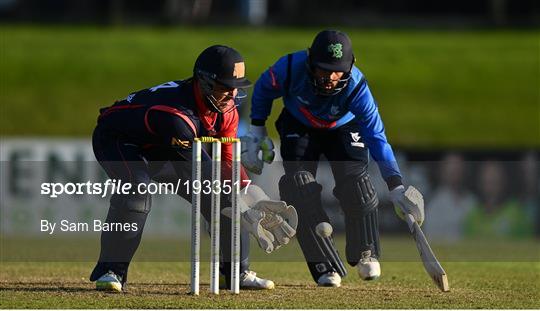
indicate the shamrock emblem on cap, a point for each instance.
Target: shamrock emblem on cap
{"x":335,"y":49}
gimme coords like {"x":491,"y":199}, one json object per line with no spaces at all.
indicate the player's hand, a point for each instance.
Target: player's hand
{"x":256,"y":140}
{"x":410,"y":201}
{"x":280,"y":219}
{"x":273,"y":223}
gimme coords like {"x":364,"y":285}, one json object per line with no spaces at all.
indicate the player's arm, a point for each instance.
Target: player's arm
{"x":410,"y":201}
{"x":365,"y":109}
{"x":268,"y":87}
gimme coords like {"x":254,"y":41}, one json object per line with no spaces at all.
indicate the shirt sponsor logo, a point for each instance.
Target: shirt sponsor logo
{"x":179,"y":142}
{"x":356,"y":137}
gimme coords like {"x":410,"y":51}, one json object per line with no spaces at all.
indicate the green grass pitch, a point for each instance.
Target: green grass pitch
{"x":475,"y":281}
{"x":166,"y":285}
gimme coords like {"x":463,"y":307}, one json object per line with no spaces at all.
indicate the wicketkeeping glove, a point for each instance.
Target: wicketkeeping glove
{"x":410,"y":201}
{"x":256,"y":140}
{"x":272,"y":223}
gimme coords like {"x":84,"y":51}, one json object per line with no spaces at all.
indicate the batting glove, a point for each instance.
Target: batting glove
{"x":410,"y":201}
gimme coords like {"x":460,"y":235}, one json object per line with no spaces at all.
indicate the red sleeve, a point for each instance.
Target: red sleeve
{"x":230,"y":129}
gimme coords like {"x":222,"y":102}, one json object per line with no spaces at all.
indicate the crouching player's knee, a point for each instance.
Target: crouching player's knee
{"x":300,"y":186}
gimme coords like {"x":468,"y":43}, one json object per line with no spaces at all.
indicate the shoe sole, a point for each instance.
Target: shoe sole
{"x":249,"y":288}
{"x":270,"y":287}
{"x":371,"y":278}
{"x":109,"y":286}
{"x":329,"y":285}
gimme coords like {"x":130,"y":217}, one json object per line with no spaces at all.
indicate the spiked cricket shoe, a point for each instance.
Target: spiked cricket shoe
{"x":368,"y":267}
{"x":109,"y":282}
{"x":249,"y":280}
{"x":329,"y":279}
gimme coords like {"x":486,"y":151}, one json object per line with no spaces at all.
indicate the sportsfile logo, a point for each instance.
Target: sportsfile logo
{"x":356,"y":137}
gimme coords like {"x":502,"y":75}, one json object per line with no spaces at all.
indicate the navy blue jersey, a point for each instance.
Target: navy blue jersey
{"x":137,"y":116}
{"x":170,"y":115}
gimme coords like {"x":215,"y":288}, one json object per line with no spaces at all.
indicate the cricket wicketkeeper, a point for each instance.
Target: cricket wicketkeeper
{"x":152,"y":130}
{"x":329,"y":110}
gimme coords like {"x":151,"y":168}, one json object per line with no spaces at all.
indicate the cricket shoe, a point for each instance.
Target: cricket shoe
{"x":368,"y":267}
{"x":249,"y":280}
{"x":329,"y":279}
{"x":109,"y":282}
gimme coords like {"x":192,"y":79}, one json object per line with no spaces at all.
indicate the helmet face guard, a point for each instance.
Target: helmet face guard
{"x":220,"y":71}
{"x":208,"y":83}
{"x":319,"y":84}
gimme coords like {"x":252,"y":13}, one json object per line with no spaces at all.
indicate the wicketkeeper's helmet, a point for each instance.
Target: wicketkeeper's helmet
{"x":331,"y":50}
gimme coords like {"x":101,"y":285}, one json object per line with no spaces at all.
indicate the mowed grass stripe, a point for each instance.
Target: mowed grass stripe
{"x":434,"y":88}
{"x":165,"y":285}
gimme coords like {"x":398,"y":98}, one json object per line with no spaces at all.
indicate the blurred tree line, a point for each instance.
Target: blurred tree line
{"x":387,"y":13}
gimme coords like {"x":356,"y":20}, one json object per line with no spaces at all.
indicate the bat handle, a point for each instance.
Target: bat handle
{"x":410,"y":221}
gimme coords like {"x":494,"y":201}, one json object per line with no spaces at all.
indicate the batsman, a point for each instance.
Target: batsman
{"x":328,"y":110}
{"x":149,"y":135}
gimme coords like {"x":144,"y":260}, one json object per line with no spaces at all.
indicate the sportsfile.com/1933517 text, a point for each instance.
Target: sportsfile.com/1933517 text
{"x":116,"y":186}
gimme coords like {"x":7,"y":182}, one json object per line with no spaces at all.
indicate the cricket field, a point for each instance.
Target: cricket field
{"x":436,"y":90}
{"x":403,"y":285}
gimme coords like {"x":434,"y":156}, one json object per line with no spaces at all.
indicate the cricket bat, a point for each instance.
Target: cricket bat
{"x":431,"y":264}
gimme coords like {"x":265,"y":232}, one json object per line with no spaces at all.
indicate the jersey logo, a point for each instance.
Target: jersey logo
{"x":180,"y":143}
{"x":239,"y":70}
{"x":303,"y":101}
{"x":335,"y":49}
{"x":356,"y":137}
{"x":334,"y":110}
{"x":334,"y":113}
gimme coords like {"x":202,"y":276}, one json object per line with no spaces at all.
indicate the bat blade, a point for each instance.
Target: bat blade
{"x":431,"y":264}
